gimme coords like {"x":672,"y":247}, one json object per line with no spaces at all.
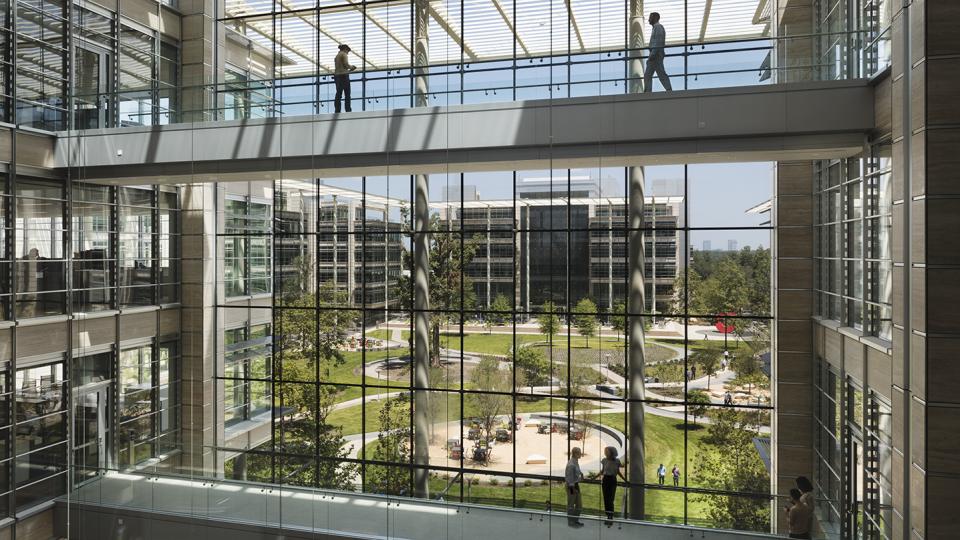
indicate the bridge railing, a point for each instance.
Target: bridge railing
{"x":356,"y":514}
{"x":744,"y":62}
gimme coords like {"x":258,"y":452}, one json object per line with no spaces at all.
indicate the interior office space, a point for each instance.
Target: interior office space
{"x":227,"y":310}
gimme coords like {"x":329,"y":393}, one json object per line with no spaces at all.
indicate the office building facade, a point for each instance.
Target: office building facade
{"x":224,"y":308}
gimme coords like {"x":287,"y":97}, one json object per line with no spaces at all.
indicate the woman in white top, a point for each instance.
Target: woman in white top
{"x":610,"y":467}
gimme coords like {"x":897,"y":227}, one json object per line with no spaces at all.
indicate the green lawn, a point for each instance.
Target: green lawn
{"x":664,"y":443}
{"x":484,"y":343}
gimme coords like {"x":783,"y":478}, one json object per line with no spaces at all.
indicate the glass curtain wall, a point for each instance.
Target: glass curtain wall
{"x":66,"y":252}
{"x":481,"y":51}
{"x":529,"y":285}
{"x":123,"y":73}
{"x":853,"y":241}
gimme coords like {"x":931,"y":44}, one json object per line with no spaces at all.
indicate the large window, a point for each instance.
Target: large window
{"x":246,"y":248}
{"x":148,"y":385}
{"x":122,"y":73}
{"x":853,"y":241}
{"x":41,"y":435}
{"x":94,"y":255}
{"x":526,"y":349}
{"x":247,"y":373}
{"x":149,"y":239}
{"x":39,"y":248}
{"x":6,"y":453}
{"x":828,"y":435}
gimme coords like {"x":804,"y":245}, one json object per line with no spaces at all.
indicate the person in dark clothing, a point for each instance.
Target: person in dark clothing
{"x":610,"y":466}
{"x":799,"y":516}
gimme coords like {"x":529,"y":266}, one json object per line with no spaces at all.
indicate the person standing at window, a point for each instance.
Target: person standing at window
{"x":798,"y":516}
{"x":658,"y":39}
{"x":572,"y":477}
{"x":341,"y":77}
{"x":807,"y":499}
{"x":610,"y":466}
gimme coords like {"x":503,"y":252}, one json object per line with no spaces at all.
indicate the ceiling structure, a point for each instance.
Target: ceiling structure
{"x":305,"y":33}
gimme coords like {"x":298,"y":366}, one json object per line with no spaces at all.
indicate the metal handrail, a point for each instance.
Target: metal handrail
{"x":264,"y":98}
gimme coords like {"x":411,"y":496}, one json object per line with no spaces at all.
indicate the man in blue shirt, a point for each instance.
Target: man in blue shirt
{"x":655,"y":61}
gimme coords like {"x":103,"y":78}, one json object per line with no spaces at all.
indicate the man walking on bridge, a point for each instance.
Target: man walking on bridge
{"x":655,"y":61}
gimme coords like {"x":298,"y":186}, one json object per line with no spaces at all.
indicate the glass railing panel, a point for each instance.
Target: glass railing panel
{"x":301,"y":509}
{"x":129,"y":490}
{"x":177,"y":494}
{"x":358,"y":515}
{"x":239,"y":502}
{"x":481,"y":523}
{"x":411,"y":518}
{"x":355,"y":514}
{"x":748,"y":62}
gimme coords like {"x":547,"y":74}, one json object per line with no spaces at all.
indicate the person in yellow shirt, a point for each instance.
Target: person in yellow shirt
{"x":341,"y":77}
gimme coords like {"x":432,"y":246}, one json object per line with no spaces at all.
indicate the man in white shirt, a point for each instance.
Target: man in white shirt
{"x":658,"y":40}
{"x":572,"y":477}
{"x":341,"y":77}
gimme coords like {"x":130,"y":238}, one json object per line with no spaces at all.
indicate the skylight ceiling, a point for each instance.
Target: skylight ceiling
{"x":305,"y":33}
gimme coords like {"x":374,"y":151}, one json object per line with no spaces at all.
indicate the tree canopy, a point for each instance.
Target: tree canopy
{"x":488,"y":377}
{"x":393,"y":446}
{"x":548,"y":320}
{"x":499,"y":313}
{"x":729,"y":462}
{"x":532,"y":365}
{"x":726,"y":282}
{"x":618,"y":318}
{"x":585,"y":318}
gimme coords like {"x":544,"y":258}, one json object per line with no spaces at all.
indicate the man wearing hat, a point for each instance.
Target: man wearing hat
{"x":341,"y":77}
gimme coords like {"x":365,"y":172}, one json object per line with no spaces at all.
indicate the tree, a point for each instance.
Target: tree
{"x":488,"y":377}
{"x":436,"y":400}
{"x":392,"y":446}
{"x":578,"y":378}
{"x":723,"y":282}
{"x":549,"y":321}
{"x":310,"y":343}
{"x":499,"y":312}
{"x":730,"y":462}
{"x":451,"y":288}
{"x":306,"y":334}
{"x":533,"y":365}
{"x":697,"y":403}
{"x":618,"y":318}
{"x":585,"y":318}
{"x":709,"y":360}
{"x":748,"y":372}
{"x":686,"y":280}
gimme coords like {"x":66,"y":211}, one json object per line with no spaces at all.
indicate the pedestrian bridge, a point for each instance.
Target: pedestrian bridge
{"x":794,"y":121}
{"x":127,"y":505}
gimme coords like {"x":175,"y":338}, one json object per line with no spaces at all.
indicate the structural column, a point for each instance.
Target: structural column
{"x":635,"y":300}
{"x":200,"y":64}
{"x":421,"y":271}
{"x":791,"y":335}
{"x":792,"y":332}
{"x":635,"y":359}
{"x":926,"y":254}
{"x":200,"y":335}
